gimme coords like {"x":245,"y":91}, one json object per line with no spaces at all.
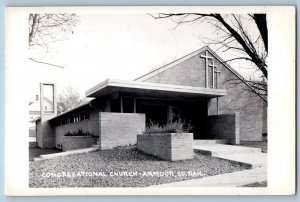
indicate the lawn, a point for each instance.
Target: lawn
{"x":104,"y":169}
{"x":36,"y":152}
{"x":257,"y":184}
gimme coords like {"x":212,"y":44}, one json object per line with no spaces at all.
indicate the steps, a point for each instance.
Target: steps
{"x":95,"y":146}
{"x":245,"y":155}
{"x":207,"y":141}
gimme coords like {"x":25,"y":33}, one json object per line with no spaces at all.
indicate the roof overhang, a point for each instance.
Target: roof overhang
{"x":147,"y":89}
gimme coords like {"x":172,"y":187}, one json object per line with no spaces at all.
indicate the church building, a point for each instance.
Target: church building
{"x":199,"y":88}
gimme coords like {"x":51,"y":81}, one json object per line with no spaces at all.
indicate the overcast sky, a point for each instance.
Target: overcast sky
{"x":123,"y":46}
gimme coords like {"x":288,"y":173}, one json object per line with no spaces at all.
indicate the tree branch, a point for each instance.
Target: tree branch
{"x":233,"y":28}
{"x":45,"y":63}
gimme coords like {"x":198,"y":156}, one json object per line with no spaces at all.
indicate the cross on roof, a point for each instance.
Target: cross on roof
{"x":206,"y":56}
{"x":213,"y":72}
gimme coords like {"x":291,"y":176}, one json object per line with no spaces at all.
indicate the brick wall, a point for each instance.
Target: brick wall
{"x":91,"y":125}
{"x":186,"y":73}
{"x":78,"y":142}
{"x":48,"y":137}
{"x":46,"y":129}
{"x":167,"y":146}
{"x":239,"y":98}
{"x":120,"y":129}
{"x":224,"y":126}
{"x":45,"y":132}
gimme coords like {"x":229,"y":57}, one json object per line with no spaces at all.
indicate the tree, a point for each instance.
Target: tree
{"x":45,"y":29}
{"x":247,"y":35}
{"x":69,"y":99}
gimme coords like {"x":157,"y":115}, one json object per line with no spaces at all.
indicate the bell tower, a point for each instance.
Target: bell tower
{"x":48,"y":110}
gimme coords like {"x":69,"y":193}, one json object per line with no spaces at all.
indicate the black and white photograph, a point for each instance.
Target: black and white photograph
{"x":149,"y":98}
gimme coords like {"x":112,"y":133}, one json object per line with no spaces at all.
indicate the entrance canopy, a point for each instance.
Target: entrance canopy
{"x":147,"y":89}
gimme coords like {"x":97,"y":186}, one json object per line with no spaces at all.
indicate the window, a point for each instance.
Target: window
{"x":65,"y":121}
{"x":84,"y":116}
{"x":75,"y":118}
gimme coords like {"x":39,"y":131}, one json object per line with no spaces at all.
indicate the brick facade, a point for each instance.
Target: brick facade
{"x":224,"y":126}
{"x":167,"y":146}
{"x":240,"y":98}
{"x":78,"y":142}
{"x":183,"y":73}
{"x":111,"y":129}
{"x":89,"y":125}
{"x":252,"y":109}
{"x":45,"y":132}
{"x":120,"y":129}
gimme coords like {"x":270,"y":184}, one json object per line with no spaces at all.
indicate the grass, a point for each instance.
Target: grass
{"x":36,"y":152}
{"x":126,"y":160}
{"x":257,"y":184}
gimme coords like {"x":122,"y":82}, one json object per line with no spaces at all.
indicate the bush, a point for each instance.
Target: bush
{"x":171,"y":127}
{"x":79,"y":132}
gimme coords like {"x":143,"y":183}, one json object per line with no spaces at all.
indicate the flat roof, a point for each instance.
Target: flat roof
{"x":72,"y":110}
{"x":150,"y":89}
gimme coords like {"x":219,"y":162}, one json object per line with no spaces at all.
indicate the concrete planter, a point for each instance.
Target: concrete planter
{"x":78,"y":142}
{"x":167,"y":146}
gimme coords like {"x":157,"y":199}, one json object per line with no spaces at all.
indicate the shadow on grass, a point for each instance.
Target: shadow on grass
{"x":257,"y":184}
{"x":35,"y":152}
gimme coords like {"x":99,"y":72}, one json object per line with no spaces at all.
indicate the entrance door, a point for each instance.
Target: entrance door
{"x":173,"y":114}
{"x":154,"y":113}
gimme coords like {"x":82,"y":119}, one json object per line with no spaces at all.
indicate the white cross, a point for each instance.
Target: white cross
{"x":206,"y":56}
{"x":217,"y":82}
{"x":213,"y":73}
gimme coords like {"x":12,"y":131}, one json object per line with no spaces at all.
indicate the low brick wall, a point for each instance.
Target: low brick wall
{"x":78,"y":142}
{"x":167,"y":146}
{"x":224,"y":126}
{"x":90,"y":125}
{"x":120,"y":129}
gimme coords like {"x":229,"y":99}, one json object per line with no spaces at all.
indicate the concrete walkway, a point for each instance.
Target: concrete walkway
{"x":245,"y":155}
{"x":235,"y":179}
{"x":55,"y":155}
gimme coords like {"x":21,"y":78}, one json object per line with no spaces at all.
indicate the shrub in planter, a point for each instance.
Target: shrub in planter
{"x":78,"y":139}
{"x":171,"y":127}
{"x":169,"y":142}
{"x":79,"y":132}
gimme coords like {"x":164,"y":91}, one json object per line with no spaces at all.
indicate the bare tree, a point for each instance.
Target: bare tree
{"x":69,"y":99}
{"x":45,"y":29}
{"x":246,"y":35}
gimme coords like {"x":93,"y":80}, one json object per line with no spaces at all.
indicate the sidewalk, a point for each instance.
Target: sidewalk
{"x":234,"y":179}
{"x":241,"y":154}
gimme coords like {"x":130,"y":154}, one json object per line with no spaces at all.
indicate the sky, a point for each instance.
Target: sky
{"x":118,"y":46}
